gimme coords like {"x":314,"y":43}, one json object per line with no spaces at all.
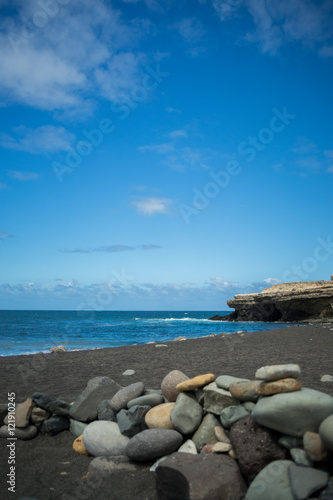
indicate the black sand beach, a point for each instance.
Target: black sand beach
{"x":48,"y":468}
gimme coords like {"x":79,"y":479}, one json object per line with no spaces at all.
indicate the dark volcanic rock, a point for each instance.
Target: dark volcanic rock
{"x":255,"y":447}
{"x":183,"y":476}
{"x":132,"y":421}
{"x":54,"y":425}
{"x":105,"y":412}
{"x":52,"y":404}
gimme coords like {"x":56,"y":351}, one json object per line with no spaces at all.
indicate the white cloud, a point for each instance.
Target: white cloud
{"x":277,"y":22}
{"x":170,"y":109}
{"x":190,"y":29}
{"x":23,"y":176}
{"x":151,"y":205}
{"x":158,"y":148}
{"x":45,"y":139}
{"x":178,"y":133}
{"x":45,"y":68}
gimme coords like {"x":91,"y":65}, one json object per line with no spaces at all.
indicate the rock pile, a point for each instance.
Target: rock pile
{"x":213,"y":437}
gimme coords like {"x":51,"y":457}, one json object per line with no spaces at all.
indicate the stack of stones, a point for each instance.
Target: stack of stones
{"x":224,"y":437}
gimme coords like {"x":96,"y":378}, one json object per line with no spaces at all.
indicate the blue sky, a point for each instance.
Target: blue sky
{"x":163,"y":154}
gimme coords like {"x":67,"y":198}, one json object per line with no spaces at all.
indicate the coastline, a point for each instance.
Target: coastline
{"x":48,"y":468}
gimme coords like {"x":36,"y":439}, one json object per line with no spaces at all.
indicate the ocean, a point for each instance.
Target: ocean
{"x":28,"y":332}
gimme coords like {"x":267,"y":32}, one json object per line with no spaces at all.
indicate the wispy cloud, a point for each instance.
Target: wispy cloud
{"x":309,"y":158}
{"x":23,"y":176}
{"x":277,"y":22}
{"x":4,"y":236}
{"x":158,"y":148}
{"x":45,"y":139}
{"x":112,"y":249}
{"x":3,"y":186}
{"x":170,"y":109}
{"x":148,"y":206}
{"x":192,"y":32}
{"x":46,"y":70}
{"x":178,"y":133}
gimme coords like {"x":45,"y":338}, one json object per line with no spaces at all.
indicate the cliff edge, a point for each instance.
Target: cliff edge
{"x":299,"y":301}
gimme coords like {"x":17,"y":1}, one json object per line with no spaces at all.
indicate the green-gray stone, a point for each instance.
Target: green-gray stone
{"x":304,"y":481}
{"x":326,"y":432}
{"x":216,"y":399}
{"x":289,"y":442}
{"x":146,"y":400}
{"x":224,"y":381}
{"x":186,"y":415}
{"x":205,"y":433}
{"x":272,"y":483}
{"x":76,"y":428}
{"x":294,"y":413}
{"x":300,"y":457}
{"x":232,"y":414}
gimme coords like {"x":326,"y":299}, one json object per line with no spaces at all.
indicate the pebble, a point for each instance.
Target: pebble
{"x":123,"y":396}
{"x":188,"y":447}
{"x":196,"y":382}
{"x":106,"y":466}
{"x":76,"y":428}
{"x":170,"y":382}
{"x":128,"y":373}
{"x":54,"y":425}
{"x":147,"y":400}
{"x":224,"y":381}
{"x":275,"y":372}
{"x":179,"y":339}
{"x":300,"y":457}
{"x":186,"y":415}
{"x":326,"y":432}
{"x":216,"y":399}
{"x":289,"y":442}
{"x":294,"y":413}
{"x":221,"y":435}
{"x":105,"y":412}
{"x":38,"y":415}
{"x":59,"y":348}
{"x":159,"y":416}
{"x":26,"y":433}
{"x":79,"y":447}
{"x":272,"y":483}
{"x":232,"y":414}
{"x":326,"y":378}
{"x":221,"y":447}
{"x":52,"y":404}
{"x":279,"y":386}
{"x":205,"y":434}
{"x":305,"y":480}
{"x":21,"y":415}
{"x":314,"y":447}
{"x":98,"y":389}
{"x":153,"y":443}
{"x":245,"y":391}
{"x":132,"y":421}
{"x":102,"y":438}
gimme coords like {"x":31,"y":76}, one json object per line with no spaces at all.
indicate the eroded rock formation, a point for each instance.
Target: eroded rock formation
{"x":299,"y":301}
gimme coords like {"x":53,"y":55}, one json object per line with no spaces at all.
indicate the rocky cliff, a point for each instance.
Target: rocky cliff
{"x":300,"y":301}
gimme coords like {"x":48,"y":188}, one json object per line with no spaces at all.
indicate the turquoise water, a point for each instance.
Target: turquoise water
{"x":27,"y":332}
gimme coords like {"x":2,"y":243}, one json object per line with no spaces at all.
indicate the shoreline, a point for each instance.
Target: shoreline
{"x":283,"y":326}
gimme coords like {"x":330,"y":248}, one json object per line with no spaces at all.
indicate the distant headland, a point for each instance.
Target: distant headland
{"x":295,"y":302}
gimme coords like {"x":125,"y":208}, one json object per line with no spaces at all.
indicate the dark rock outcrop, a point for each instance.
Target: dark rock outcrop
{"x":299,"y":301}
